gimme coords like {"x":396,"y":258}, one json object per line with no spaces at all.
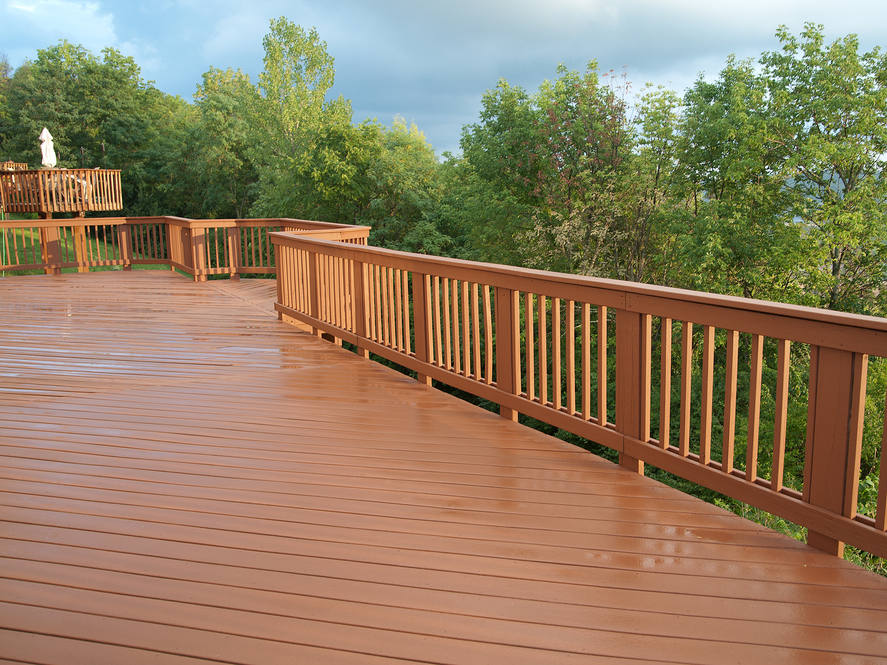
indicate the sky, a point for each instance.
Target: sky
{"x":430,"y":62}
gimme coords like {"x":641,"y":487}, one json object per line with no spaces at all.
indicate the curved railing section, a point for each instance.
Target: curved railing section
{"x":629,"y":366}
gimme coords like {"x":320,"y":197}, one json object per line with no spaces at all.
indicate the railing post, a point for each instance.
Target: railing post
{"x":313,"y":290}
{"x":836,"y":405}
{"x":124,"y":243}
{"x":175,"y":249}
{"x":51,"y":250}
{"x":80,"y":250}
{"x":198,"y":253}
{"x":508,"y":377}
{"x":632,"y":381}
{"x":422,"y":321}
{"x":278,"y":253}
{"x":233,"y":238}
{"x":358,"y":304}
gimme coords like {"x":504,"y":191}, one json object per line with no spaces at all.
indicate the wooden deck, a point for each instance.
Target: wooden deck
{"x":186,"y":479}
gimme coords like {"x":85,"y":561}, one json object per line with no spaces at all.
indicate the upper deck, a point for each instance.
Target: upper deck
{"x":185,"y":478}
{"x":48,"y":191}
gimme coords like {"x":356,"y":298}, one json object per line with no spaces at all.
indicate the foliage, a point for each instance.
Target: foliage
{"x":217,"y":177}
{"x":100,"y":113}
{"x":830,"y":106}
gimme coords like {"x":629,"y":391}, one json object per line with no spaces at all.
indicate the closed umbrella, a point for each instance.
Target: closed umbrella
{"x":46,"y":147}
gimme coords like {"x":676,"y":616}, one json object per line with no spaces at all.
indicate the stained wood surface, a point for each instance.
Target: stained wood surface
{"x":185,"y":478}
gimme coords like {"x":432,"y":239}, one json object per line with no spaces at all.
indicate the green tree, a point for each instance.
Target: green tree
{"x":404,"y":184}
{"x":292,"y":114}
{"x":564,"y":169}
{"x":5,"y":77}
{"x":101,"y":113}
{"x":830,"y":106}
{"x":217,"y":174}
{"x":738,"y":236}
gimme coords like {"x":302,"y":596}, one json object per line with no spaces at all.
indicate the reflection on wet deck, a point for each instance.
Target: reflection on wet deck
{"x":185,"y":478}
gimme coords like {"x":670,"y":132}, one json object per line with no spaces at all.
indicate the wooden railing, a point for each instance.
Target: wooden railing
{"x":578,"y":353}
{"x":47,"y":191}
{"x":201,"y":248}
{"x":13,"y":166}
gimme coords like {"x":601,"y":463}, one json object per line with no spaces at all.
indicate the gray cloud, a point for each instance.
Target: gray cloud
{"x":431,"y":62}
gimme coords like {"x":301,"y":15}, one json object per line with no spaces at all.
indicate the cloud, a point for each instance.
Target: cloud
{"x":77,"y":21}
{"x":233,"y":35}
{"x":432,"y":61}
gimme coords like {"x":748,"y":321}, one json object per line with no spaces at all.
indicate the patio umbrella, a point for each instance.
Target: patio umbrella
{"x":46,"y":147}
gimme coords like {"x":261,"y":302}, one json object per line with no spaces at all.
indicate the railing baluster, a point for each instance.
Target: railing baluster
{"x":448,"y":338}
{"x":488,"y":335}
{"x":466,"y":331}
{"x":781,"y":414}
{"x":665,"y":383}
{"x":530,"y":362}
{"x":730,"y":401}
{"x":475,"y":314}
{"x":686,"y":386}
{"x":457,"y":352}
{"x":396,"y":316}
{"x":371,"y":301}
{"x":405,"y":289}
{"x":556,"y":351}
{"x":392,"y":309}
{"x":602,"y":365}
{"x":543,"y":349}
{"x":586,"y":361}
{"x":881,"y":510}
{"x":438,"y":345}
{"x":754,"y":408}
{"x":383,"y":305}
{"x":571,"y":357}
{"x":708,"y":361}
{"x":345,"y":299}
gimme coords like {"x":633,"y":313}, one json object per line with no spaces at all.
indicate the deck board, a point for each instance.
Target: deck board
{"x":184,"y":478}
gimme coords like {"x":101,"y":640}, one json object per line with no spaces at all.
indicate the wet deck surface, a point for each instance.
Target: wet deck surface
{"x":186,"y":479}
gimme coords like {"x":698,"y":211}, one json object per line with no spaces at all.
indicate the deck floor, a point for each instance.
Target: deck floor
{"x":186,"y":479}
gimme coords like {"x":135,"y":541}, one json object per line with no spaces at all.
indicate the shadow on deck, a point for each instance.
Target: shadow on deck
{"x":185,"y":478}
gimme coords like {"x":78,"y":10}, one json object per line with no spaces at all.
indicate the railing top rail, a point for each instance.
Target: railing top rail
{"x":57,"y":171}
{"x":69,"y":221}
{"x":313,"y":227}
{"x":631,"y":296}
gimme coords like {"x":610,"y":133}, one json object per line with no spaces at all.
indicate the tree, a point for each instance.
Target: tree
{"x":562,"y":159}
{"x":101,"y":113}
{"x":404,"y":184}
{"x":292,"y":114}
{"x":830,"y":102}
{"x":738,"y":235}
{"x":217,"y":174}
{"x":5,"y":76}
